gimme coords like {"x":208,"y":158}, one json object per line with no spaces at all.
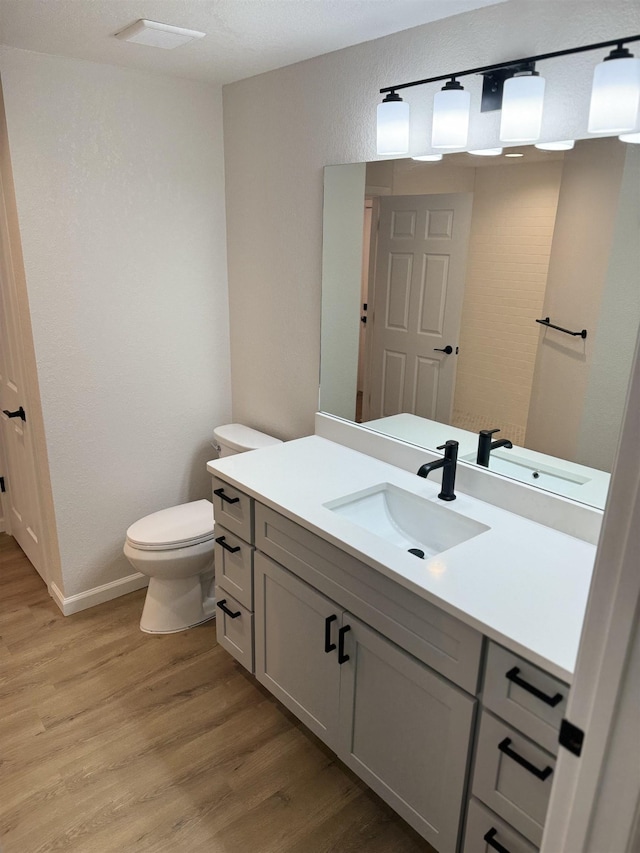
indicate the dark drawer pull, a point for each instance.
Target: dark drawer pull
{"x":221,"y":541}
{"x":342,"y":658}
{"x":513,"y":675}
{"x":328,"y":645}
{"x":220,"y":493}
{"x":490,"y":839}
{"x":504,"y":746}
{"x":223,"y":606}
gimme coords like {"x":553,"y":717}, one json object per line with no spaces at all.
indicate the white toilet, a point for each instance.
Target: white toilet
{"x":174,"y":548}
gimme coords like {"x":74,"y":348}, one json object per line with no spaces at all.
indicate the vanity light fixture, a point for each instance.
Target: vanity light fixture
{"x":514,"y":154}
{"x":450,"y":127}
{"x":393,"y":125}
{"x":428,"y":158}
{"x":487,"y":152}
{"x":559,"y":145}
{"x":615,"y":95}
{"x":518,"y":89}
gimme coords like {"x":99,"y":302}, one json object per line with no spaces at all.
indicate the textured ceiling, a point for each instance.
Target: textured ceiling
{"x":244,"y":37}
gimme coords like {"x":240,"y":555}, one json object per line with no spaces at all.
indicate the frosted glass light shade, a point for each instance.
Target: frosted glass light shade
{"x":486,"y":152}
{"x":615,"y":96}
{"x":630,"y":137}
{"x":450,"y":118}
{"x":393,"y":127}
{"x":559,"y":145}
{"x":522,"y":101}
{"x":427,"y":158}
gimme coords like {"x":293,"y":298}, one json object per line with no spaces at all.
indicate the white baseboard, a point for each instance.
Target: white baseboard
{"x":97,"y":595}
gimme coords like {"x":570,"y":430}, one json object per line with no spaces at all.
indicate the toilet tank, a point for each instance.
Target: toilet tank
{"x":237,"y":438}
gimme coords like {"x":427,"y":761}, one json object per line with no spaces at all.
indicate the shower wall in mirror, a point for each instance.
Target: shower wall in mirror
{"x":434,"y":278}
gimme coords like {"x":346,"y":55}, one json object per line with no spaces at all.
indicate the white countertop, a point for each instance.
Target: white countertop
{"x":520,"y":583}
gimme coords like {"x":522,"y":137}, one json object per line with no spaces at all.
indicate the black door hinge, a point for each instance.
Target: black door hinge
{"x":571,"y":737}
{"x":2,"y":486}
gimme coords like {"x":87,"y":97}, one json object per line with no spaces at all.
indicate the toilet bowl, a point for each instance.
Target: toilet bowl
{"x":174,"y":548}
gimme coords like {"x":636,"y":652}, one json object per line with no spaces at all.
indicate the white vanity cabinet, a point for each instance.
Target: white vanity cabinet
{"x":389,"y":681}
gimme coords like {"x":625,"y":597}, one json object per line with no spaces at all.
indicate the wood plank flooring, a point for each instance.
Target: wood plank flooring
{"x":112,"y":740}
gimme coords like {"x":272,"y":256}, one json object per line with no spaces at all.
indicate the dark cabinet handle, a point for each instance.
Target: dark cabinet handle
{"x":220,"y":493}
{"x":221,"y":541}
{"x":504,"y":746}
{"x":328,"y":645}
{"x":489,"y":837}
{"x":19,"y":413}
{"x":342,"y":658}
{"x":513,"y":675}
{"x":223,"y":606}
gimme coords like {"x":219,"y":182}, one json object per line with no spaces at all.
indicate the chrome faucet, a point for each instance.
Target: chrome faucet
{"x":448,"y":464}
{"x":485,"y":445}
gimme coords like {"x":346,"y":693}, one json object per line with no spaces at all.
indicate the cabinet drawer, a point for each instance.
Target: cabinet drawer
{"x":525,"y":696}
{"x":486,"y":833}
{"x":233,"y":509}
{"x":437,"y":639}
{"x":234,"y":566}
{"x":503,"y":782}
{"x":234,"y":632}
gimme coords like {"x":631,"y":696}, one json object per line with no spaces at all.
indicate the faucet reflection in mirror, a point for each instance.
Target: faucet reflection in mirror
{"x":516,"y":88}
{"x":553,"y":234}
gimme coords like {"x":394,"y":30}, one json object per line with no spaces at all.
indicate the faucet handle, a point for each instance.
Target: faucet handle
{"x":449,"y":443}
{"x":489,"y":431}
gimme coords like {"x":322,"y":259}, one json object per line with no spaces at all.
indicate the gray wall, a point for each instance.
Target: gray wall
{"x":120,"y":195}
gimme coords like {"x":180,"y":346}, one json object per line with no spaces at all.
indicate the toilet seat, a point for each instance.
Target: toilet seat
{"x":176,"y":527}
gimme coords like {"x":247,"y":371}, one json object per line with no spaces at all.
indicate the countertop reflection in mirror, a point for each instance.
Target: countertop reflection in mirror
{"x":434,"y":275}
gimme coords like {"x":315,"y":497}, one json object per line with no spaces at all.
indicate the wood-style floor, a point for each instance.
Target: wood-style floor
{"x":115,"y":740}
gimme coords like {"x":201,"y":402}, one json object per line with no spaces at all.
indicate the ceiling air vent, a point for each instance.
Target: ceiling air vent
{"x":154,"y":34}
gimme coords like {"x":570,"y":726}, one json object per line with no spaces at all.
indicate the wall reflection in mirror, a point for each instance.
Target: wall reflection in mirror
{"x":434,"y":275}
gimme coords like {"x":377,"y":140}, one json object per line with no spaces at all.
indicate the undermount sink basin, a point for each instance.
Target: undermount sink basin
{"x":528,"y":471}
{"x":407,"y":520}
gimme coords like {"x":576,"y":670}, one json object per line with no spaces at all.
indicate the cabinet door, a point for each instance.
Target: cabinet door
{"x":405,"y":731}
{"x":293,"y":626}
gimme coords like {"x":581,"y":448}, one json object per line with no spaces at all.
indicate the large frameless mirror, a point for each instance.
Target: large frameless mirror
{"x":487,"y":293}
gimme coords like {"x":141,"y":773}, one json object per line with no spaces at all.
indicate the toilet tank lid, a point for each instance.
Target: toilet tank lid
{"x":240,"y":437}
{"x":177,"y":524}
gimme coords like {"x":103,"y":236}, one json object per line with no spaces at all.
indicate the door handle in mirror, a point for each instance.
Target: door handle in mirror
{"x":447,"y":350}
{"x":19,"y":413}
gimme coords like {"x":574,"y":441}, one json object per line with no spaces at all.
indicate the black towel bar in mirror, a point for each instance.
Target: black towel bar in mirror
{"x":547,"y":322}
